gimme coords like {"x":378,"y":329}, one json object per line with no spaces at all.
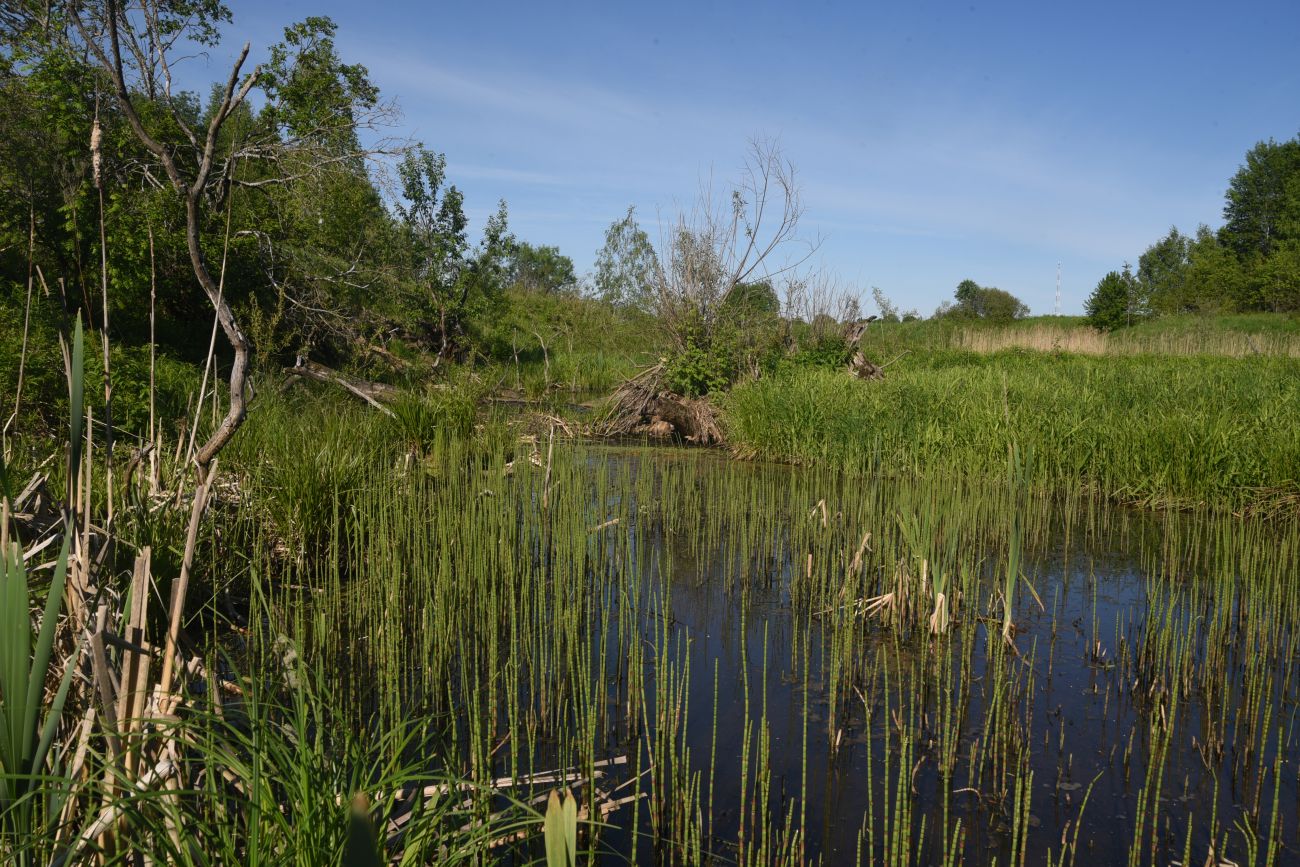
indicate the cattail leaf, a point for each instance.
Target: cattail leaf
{"x":44,"y":647}
{"x":571,"y":827}
{"x":76,"y":406}
{"x":553,"y":831}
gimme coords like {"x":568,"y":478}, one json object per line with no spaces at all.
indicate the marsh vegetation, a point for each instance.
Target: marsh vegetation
{"x":383,"y":546}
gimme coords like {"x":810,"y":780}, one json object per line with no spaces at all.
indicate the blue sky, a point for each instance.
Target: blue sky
{"x":933,"y":141}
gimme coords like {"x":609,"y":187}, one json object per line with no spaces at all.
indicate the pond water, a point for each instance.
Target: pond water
{"x":794,"y":664}
{"x":1141,"y":710}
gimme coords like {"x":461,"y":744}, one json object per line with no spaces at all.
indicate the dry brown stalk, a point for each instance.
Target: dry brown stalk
{"x":181,"y":586}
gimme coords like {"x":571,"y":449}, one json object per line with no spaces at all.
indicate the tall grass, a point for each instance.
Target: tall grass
{"x":1209,"y":336}
{"x":566,"y":631}
{"x":1165,"y":431}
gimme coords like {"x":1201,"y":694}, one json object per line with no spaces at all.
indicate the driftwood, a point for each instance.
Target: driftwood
{"x":859,"y":366}
{"x":642,"y":405}
{"x":368,"y":391}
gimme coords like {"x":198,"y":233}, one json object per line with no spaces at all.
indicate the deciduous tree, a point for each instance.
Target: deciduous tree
{"x":749,"y":234}
{"x":453,"y":280}
{"x":986,"y":302}
{"x":1262,"y":206}
{"x":627,"y":266}
{"x":1110,"y":305}
{"x":1162,"y":273}
{"x":541,"y":269}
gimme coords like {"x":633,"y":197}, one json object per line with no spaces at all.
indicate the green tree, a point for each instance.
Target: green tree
{"x":312,"y":95}
{"x":968,"y":295}
{"x":1215,"y":279}
{"x":1262,"y":206}
{"x":1273,"y":282}
{"x":1002,"y":306}
{"x":316,"y":241}
{"x":626,"y":266}
{"x":986,"y":302}
{"x":541,"y":269}
{"x":454,"y":281}
{"x":1110,"y":305}
{"x":1162,"y":273}
{"x":260,"y":192}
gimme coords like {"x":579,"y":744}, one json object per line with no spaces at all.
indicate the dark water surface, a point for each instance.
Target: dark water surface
{"x":1088,"y":711}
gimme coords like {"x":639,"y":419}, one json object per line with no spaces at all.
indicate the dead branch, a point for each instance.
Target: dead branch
{"x":368,"y":391}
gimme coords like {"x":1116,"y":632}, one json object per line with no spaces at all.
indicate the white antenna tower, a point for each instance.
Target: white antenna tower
{"x":1058,"y":288}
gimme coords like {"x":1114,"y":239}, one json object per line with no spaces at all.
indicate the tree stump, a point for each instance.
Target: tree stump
{"x":863,"y":369}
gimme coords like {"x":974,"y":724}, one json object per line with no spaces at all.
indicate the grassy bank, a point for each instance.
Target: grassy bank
{"x":1163,"y":431}
{"x":546,"y":342}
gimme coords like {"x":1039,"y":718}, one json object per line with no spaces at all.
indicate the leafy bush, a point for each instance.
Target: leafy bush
{"x":829,"y":351}
{"x":697,"y":371}
{"x":1113,"y":304}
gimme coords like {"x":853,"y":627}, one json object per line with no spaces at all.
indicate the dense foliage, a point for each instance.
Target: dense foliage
{"x":1115,"y":301}
{"x":1252,"y":263}
{"x":973,"y":301}
{"x":314,"y":252}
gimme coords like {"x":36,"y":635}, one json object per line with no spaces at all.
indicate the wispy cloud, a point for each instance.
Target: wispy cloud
{"x":936,"y":170}
{"x":518,"y":94}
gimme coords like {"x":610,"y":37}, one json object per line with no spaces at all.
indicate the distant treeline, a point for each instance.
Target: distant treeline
{"x":1252,"y":263}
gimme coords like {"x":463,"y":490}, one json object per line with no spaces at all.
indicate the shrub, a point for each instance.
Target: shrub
{"x":1112,"y":304}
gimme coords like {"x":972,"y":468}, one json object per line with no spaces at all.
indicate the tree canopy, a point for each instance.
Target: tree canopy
{"x":1252,"y":263}
{"x":626,"y":265}
{"x":1113,"y":303}
{"x":1261,"y":211}
{"x":541,"y":269}
{"x":986,"y":302}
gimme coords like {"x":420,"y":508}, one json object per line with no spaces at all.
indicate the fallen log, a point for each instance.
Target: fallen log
{"x":368,"y":391}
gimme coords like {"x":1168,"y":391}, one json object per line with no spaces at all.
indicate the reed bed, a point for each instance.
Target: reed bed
{"x":969,"y":669}
{"x":1083,"y":340}
{"x":1159,"y":431}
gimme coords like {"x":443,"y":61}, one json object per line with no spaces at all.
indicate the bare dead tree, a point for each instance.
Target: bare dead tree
{"x":748,"y":234}
{"x":820,"y":298}
{"x":101,"y":31}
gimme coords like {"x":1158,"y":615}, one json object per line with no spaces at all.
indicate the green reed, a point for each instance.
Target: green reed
{"x":1157,"y":431}
{"x":530,"y":615}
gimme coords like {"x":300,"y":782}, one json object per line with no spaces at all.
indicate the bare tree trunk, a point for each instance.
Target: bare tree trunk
{"x":192,"y":191}
{"x":239,"y":342}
